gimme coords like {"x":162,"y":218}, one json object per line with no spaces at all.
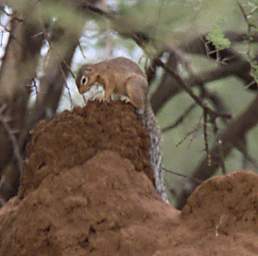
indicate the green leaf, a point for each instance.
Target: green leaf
{"x":217,"y":37}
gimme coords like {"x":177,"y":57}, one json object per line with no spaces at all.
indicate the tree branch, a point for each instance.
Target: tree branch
{"x":18,"y":69}
{"x":180,"y":119}
{"x":167,"y":90}
{"x":180,"y":81}
{"x":230,"y":138}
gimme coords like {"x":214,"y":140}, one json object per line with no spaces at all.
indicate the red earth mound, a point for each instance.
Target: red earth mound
{"x":74,"y":137}
{"x":85,"y":192}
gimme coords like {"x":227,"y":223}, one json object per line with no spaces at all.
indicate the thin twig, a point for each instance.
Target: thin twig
{"x":198,"y":181}
{"x":205,"y":137}
{"x":221,"y":157}
{"x":67,"y":87}
{"x":181,"y":82}
{"x":180,"y":119}
{"x":193,"y":131}
{"x":81,"y":49}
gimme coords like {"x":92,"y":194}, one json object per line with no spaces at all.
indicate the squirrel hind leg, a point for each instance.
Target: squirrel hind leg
{"x":136,"y":89}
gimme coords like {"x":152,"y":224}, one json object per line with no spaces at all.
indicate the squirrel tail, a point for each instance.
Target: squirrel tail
{"x":149,"y":121}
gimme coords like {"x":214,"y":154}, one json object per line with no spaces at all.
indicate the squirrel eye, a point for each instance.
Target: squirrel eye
{"x":84,"y":80}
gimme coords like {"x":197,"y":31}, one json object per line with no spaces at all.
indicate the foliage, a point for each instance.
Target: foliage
{"x":217,"y":37}
{"x":173,"y":23}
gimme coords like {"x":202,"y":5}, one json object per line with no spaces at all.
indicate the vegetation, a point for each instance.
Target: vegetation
{"x":200,"y":57}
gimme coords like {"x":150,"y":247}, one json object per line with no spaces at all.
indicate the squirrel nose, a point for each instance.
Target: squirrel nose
{"x":80,"y":89}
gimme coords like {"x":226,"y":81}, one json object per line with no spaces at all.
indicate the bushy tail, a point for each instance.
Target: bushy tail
{"x":152,"y":127}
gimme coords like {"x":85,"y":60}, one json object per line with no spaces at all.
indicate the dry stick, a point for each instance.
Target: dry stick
{"x":182,"y":175}
{"x":81,"y":49}
{"x":74,"y":77}
{"x":212,"y":113}
{"x":239,"y":68}
{"x":180,"y":119}
{"x":232,"y":69}
{"x":67,"y":87}
{"x":4,"y":121}
{"x":201,"y":85}
{"x":181,"y":82}
{"x":191,"y":132}
{"x":230,"y":138}
{"x":205,"y":136}
{"x":204,"y":94}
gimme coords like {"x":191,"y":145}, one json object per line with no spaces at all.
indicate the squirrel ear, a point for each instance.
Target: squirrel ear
{"x":88,"y":69}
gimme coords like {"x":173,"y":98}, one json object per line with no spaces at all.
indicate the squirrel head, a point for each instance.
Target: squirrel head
{"x":86,"y":77}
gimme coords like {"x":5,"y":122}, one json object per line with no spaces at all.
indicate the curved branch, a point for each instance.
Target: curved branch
{"x":167,"y":88}
{"x":180,"y":81}
{"x":231,"y":137}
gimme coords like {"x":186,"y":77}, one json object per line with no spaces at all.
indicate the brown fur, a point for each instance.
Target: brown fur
{"x":120,"y":76}
{"x":123,"y":77}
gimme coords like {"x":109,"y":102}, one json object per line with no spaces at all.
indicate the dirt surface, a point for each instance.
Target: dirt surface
{"x":74,"y":137}
{"x":86,"y":192}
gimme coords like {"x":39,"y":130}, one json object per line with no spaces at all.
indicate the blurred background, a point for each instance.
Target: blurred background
{"x":200,"y":57}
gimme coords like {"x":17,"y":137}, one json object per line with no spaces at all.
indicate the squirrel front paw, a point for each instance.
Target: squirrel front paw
{"x":124,"y":99}
{"x":99,"y":98}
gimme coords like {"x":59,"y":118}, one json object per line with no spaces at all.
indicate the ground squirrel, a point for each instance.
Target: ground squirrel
{"x":118,"y":76}
{"x":123,"y":77}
